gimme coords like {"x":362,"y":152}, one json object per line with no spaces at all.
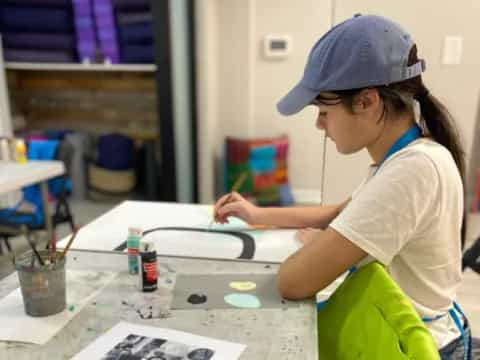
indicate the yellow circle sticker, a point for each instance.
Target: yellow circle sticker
{"x":243,"y":285}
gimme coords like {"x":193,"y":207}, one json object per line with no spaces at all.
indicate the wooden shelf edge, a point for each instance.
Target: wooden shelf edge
{"x":79,"y":67}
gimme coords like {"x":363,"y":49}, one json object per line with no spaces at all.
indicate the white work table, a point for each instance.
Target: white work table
{"x":277,"y":333}
{"x":14,"y":176}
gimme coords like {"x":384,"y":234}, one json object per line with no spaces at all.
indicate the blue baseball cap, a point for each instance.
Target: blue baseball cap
{"x":363,"y":51}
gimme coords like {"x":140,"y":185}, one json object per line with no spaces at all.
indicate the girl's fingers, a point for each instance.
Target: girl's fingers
{"x":230,"y":209}
{"x":222,"y":202}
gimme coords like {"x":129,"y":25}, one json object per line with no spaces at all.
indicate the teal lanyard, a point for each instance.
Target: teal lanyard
{"x":408,"y":137}
{"x":456,"y":319}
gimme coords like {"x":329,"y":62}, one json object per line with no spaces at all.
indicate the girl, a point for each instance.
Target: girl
{"x":365,"y":79}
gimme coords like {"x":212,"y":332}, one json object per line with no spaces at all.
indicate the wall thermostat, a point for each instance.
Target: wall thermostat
{"x":277,"y":46}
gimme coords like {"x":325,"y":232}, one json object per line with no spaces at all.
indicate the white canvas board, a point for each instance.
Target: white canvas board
{"x":144,"y":342}
{"x":111,"y":230}
{"x":82,"y":287}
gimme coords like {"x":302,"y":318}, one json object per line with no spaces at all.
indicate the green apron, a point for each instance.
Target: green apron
{"x":369,"y":317}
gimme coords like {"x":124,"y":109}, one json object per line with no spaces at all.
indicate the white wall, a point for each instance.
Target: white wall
{"x":207,"y":94}
{"x":241,"y":87}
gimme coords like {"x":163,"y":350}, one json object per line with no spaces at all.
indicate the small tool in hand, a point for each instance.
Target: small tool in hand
{"x":236,"y":186}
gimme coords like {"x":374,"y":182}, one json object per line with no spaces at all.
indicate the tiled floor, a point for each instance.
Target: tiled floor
{"x":468,"y":295}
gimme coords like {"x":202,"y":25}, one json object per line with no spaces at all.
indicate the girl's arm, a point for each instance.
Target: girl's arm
{"x":292,"y":217}
{"x":299,"y":217}
{"x":317,"y":264}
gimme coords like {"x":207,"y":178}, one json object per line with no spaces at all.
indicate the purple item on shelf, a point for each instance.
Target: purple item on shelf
{"x":104,"y":8}
{"x":134,"y":18}
{"x":131,"y":4}
{"x":104,"y":22}
{"x":137,"y":54}
{"x":84,"y":22}
{"x":110,"y":51}
{"x":107,"y":33}
{"x":38,"y":41}
{"x":86,"y":35}
{"x":49,"y":19}
{"x":85,"y":30}
{"x":111,"y":54}
{"x":136,"y":33}
{"x":38,"y":55}
{"x":86,"y":48}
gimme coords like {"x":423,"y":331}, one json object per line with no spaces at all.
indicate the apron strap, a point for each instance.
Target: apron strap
{"x":453,"y":313}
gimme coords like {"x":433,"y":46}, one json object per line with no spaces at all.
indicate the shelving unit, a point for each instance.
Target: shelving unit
{"x":80,"y":67}
{"x":81,"y":96}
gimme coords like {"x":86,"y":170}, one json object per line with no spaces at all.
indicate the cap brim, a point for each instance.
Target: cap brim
{"x":296,"y":99}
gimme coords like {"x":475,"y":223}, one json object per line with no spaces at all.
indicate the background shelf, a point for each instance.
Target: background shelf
{"x":79,"y":67}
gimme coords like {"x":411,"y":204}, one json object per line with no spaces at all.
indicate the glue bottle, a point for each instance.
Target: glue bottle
{"x":133,"y":243}
{"x":20,"y":151}
{"x":147,"y":261}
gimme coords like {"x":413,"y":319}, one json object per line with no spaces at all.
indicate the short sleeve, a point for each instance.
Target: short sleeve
{"x":391,"y":207}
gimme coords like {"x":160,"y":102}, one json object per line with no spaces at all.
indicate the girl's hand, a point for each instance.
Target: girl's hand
{"x":234,"y":204}
{"x":307,"y":235}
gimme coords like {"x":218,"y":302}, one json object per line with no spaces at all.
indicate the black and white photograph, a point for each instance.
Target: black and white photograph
{"x":127,"y":341}
{"x":137,"y":347}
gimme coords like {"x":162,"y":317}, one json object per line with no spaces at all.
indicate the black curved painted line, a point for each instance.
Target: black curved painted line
{"x":248,"y":251}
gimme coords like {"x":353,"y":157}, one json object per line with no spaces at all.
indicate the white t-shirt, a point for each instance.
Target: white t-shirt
{"x":408,"y":216}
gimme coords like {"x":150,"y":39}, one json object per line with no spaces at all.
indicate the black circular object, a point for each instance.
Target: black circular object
{"x":196,"y":299}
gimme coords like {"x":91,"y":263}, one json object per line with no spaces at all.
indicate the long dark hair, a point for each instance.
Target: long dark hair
{"x":436,"y":120}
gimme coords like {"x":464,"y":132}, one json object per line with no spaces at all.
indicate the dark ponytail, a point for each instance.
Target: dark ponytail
{"x":441,"y":127}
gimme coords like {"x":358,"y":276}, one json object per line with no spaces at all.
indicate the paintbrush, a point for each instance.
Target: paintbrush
{"x":53,"y":248}
{"x":32,"y":245}
{"x":236,"y":186}
{"x":74,"y":234}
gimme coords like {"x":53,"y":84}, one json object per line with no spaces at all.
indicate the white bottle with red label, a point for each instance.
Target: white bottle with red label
{"x":147,"y":265}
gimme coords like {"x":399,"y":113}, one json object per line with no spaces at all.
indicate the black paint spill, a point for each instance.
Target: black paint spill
{"x":148,"y":315}
{"x":196,"y":299}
